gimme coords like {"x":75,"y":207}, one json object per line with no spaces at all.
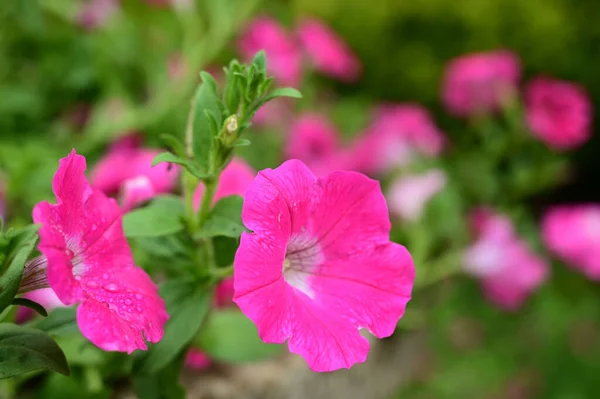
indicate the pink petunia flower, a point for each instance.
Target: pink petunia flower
{"x":313,"y":140}
{"x":573,"y":233}
{"x":328,"y":52}
{"x":95,"y":13}
{"x":234,"y":180}
{"x":509,"y":270}
{"x":408,"y":195}
{"x":318,"y":265}
{"x":127,"y":170}
{"x":283,"y":53}
{"x":558,"y":113}
{"x":89,"y":261}
{"x":45,"y":297}
{"x":480,"y":82}
{"x":398,"y":134}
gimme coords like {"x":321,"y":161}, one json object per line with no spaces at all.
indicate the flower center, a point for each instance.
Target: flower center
{"x":77,"y":265}
{"x":303,"y":256}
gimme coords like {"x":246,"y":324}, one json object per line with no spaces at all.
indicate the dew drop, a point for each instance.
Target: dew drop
{"x":128,"y":301}
{"x":139,"y":309}
{"x":111,"y":287}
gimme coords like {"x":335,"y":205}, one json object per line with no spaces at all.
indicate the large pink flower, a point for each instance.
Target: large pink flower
{"x":398,"y":133}
{"x":318,"y":265}
{"x":573,"y":233}
{"x":510,"y":271}
{"x":480,"y":82}
{"x":328,"y":52}
{"x":89,"y":261}
{"x":127,"y":170}
{"x":283,"y":53}
{"x":558,"y":113}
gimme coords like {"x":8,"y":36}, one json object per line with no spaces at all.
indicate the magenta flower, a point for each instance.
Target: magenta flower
{"x":127,"y":170}
{"x":558,"y":113}
{"x":509,"y":270}
{"x":45,"y":297}
{"x":480,"y":82}
{"x":318,"y":265}
{"x":328,"y":52}
{"x":89,"y":261}
{"x":573,"y":233}
{"x":408,"y":195}
{"x":399,"y":133}
{"x":235,"y":178}
{"x":283,"y":54}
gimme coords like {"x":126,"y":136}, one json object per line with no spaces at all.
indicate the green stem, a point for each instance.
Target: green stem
{"x":190,"y":182}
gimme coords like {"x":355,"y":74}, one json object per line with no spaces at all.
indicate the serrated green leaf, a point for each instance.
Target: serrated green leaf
{"x":31,"y":305}
{"x":231,"y":337}
{"x":163,"y":216}
{"x":24,"y":349}
{"x":59,"y":321}
{"x":191,"y":166}
{"x":224,"y":219}
{"x":20,"y":245}
{"x":187,"y":307}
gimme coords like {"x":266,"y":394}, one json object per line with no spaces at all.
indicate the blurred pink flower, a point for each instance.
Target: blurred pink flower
{"x":398,"y":133}
{"x":284,"y":58}
{"x":328,"y":52}
{"x":45,"y":297}
{"x":510,"y":271}
{"x":95,"y":13}
{"x":313,"y":140}
{"x":89,"y":261}
{"x":408,"y":195}
{"x":480,"y":82}
{"x":197,"y":360}
{"x":340,"y":271}
{"x":558,"y":113}
{"x":127,"y":170}
{"x":234,"y":180}
{"x":275,"y":114}
{"x":573,"y":233}
{"x":177,"y":66}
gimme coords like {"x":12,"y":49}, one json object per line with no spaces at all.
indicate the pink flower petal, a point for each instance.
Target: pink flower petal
{"x":136,"y":191}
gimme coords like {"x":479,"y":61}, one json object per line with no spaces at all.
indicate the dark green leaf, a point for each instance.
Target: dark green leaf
{"x":58,"y":386}
{"x":31,"y":305}
{"x":191,"y":166}
{"x":231,"y":337}
{"x":187,"y":307}
{"x":19,"y":247}
{"x":241,"y":143}
{"x":24,"y":349}
{"x":204,"y":100}
{"x":59,"y":321}
{"x":225,"y":219}
{"x":163,"y":216}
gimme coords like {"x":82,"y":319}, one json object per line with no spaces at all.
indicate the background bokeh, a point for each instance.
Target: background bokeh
{"x":65,"y":85}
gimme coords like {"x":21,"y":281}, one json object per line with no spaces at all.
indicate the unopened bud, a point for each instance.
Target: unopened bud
{"x":231,"y":124}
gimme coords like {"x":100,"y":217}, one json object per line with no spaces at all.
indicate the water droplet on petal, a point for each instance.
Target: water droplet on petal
{"x":111,"y":287}
{"x":128,"y":301}
{"x":139,"y":309}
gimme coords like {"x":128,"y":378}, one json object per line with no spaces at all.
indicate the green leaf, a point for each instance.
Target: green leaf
{"x":205,"y":100}
{"x":20,"y":245}
{"x":225,"y":219}
{"x":162,"y":385}
{"x":191,"y":166}
{"x":80,"y":351}
{"x":174,"y":143}
{"x":59,"y":321}
{"x":231,"y":337}
{"x":260,"y":60}
{"x":241,"y":143}
{"x":31,"y":305}
{"x":163,"y":216}
{"x":283,"y":92}
{"x":187,"y":307}
{"x":24,"y":349}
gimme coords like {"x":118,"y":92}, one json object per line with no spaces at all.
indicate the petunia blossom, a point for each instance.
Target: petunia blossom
{"x":398,"y":134}
{"x":509,"y":270}
{"x":283,"y":53}
{"x":45,"y":297}
{"x":573,"y":233}
{"x":328,"y":52}
{"x":127,"y":170}
{"x":558,"y":113}
{"x":90,"y":262}
{"x":234,"y":180}
{"x":318,"y":264}
{"x":408,"y":195}
{"x":480,"y":82}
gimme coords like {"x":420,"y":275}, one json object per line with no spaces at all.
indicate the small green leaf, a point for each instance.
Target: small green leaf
{"x":283,"y":92}
{"x":20,"y":245}
{"x":59,"y":321}
{"x":231,"y":337}
{"x":225,"y":219}
{"x":191,"y":166}
{"x":241,"y":143}
{"x":163,"y":216}
{"x":205,"y":100}
{"x":31,"y":305}
{"x":187,"y":307}
{"x":174,"y":143}
{"x":209,"y":80}
{"x":260,"y":60}
{"x":24,"y":349}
